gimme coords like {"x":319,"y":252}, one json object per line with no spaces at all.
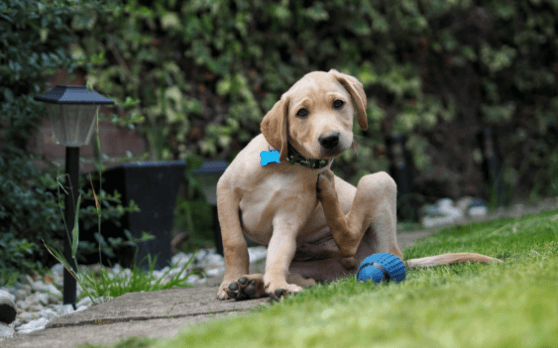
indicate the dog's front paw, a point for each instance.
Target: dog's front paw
{"x":245,"y":287}
{"x":222,"y":292}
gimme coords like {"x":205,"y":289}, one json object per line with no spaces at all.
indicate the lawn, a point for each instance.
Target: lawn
{"x":513,"y":304}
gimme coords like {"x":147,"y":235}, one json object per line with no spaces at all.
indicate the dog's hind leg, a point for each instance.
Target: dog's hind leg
{"x":374,"y":206}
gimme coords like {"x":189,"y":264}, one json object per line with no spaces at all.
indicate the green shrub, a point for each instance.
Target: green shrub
{"x":34,"y":37}
{"x":207,"y":71}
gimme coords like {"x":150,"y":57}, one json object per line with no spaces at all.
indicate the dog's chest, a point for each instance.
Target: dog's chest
{"x":281,"y":196}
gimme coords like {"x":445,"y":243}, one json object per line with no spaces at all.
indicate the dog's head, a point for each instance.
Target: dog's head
{"x":315,"y":115}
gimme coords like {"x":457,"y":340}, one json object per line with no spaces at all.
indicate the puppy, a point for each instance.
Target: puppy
{"x":277,"y":188}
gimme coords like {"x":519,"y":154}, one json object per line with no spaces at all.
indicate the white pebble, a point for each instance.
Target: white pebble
{"x":6,"y":331}
{"x":65,"y":309}
{"x":215,"y":271}
{"x":7,"y":295}
{"x":39,"y":286}
{"x":48,"y":313}
{"x":21,"y":294}
{"x":257,"y":253}
{"x":86,"y":301}
{"x":57,"y":269}
{"x":41,"y":298}
{"x":8,"y":289}
{"x":26,"y":279}
{"x":33,"y":325}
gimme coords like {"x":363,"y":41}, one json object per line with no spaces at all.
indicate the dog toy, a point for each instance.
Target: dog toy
{"x":269,"y":157}
{"x":380,"y":267}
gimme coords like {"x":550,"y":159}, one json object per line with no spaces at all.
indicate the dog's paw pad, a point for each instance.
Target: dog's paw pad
{"x":233,"y":290}
{"x":246,"y":287}
{"x":251,"y":290}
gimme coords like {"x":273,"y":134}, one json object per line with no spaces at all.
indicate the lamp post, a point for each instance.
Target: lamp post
{"x":209,"y":174}
{"x":72,"y":111}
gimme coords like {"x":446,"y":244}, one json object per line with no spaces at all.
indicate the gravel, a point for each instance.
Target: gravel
{"x":38,"y":300}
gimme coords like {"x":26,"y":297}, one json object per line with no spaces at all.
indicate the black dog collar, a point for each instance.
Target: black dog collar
{"x":293,"y":157}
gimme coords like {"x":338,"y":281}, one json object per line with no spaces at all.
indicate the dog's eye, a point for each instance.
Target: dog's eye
{"x":338,"y":104}
{"x":302,"y":113}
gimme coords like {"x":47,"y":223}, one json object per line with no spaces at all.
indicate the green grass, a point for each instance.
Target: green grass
{"x":100,"y":284}
{"x":513,"y":304}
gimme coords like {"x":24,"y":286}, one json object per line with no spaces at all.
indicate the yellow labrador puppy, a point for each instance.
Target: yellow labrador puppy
{"x":271,"y":193}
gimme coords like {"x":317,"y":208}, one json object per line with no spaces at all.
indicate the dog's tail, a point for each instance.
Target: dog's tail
{"x":448,"y":259}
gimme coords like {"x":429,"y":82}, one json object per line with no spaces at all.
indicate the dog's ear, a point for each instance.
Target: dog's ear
{"x":275,"y":128}
{"x":356,"y":90}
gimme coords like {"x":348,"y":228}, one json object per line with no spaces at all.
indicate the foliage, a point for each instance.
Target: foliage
{"x":33,"y":41}
{"x":205,"y":72}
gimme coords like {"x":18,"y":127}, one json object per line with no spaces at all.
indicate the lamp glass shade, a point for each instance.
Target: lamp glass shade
{"x":72,"y":124}
{"x":209,"y":183}
{"x":209,"y":174}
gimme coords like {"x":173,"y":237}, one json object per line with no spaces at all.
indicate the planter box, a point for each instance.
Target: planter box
{"x":153,"y":186}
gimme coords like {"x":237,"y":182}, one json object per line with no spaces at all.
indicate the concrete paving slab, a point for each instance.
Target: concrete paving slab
{"x":155,"y":305}
{"x":70,"y":337}
{"x":155,"y":314}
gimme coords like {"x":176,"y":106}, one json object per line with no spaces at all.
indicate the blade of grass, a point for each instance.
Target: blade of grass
{"x":75,"y":231}
{"x":97,"y":205}
{"x":57,"y":255}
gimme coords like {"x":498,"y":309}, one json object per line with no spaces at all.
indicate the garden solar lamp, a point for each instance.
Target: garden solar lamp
{"x":72,"y":111}
{"x":209,"y":174}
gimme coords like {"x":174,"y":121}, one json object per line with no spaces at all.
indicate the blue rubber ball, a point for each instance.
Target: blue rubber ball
{"x":378,"y":267}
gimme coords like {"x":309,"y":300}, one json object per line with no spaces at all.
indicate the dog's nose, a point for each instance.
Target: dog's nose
{"x":329,"y":141}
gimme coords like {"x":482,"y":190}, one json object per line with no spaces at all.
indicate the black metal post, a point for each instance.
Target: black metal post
{"x":402,"y":173}
{"x":492,"y":165}
{"x":72,"y":171}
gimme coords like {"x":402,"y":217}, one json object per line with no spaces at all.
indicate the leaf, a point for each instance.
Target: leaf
{"x":75,"y":231}
{"x":57,"y":255}
{"x":317,"y":12}
{"x":8,"y":95}
{"x":170,"y":20}
{"x":94,"y":195}
{"x":145,"y":237}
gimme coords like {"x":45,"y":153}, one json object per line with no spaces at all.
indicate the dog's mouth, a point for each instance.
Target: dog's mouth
{"x":330,"y":153}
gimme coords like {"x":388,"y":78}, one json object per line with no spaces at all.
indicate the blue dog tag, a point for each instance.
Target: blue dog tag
{"x":269,"y":157}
